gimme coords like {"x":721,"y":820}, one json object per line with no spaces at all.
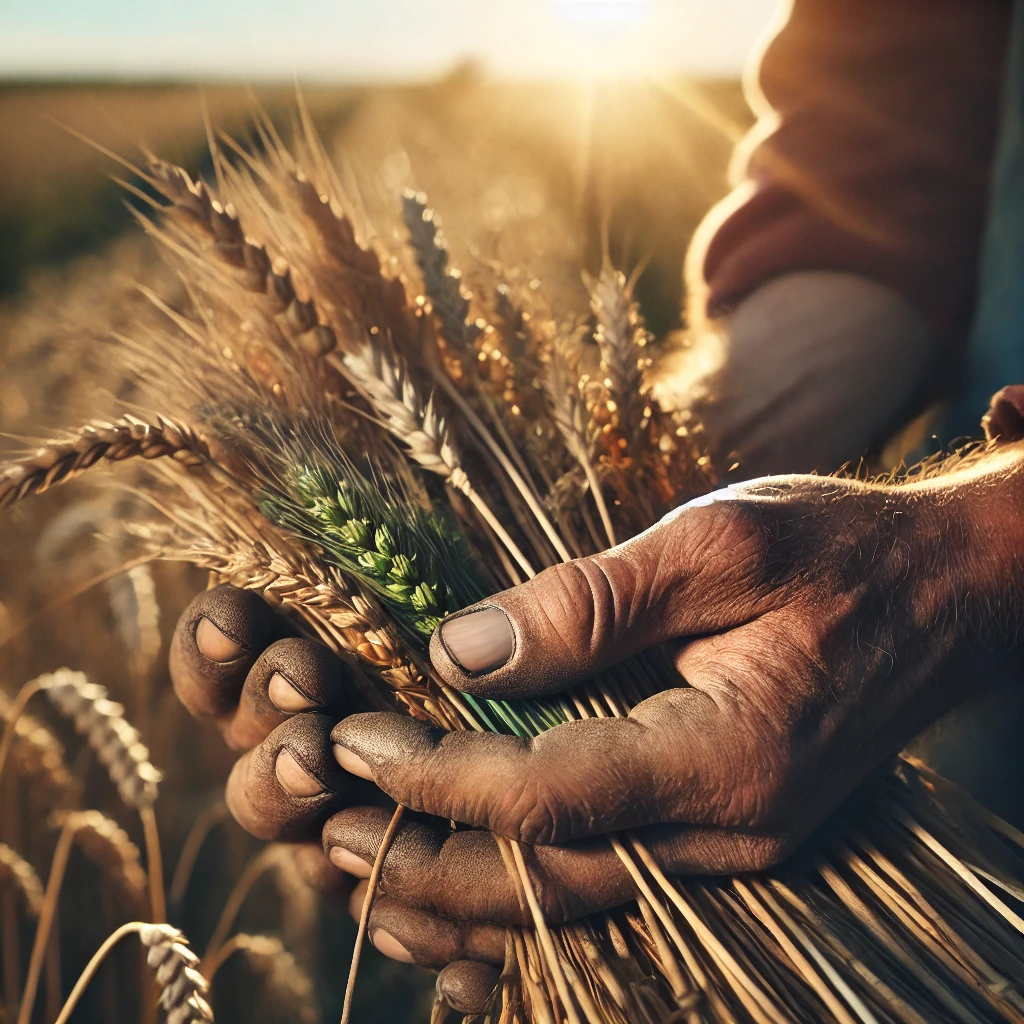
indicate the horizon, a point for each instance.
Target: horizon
{"x":347,"y":41}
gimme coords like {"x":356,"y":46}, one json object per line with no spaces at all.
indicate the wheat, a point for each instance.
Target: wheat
{"x":16,"y":873}
{"x":37,"y":755}
{"x":384,"y":381}
{"x":110,"y":849}
{"x":560,"y":383}
{"x":247,"y":262}
{"x":623,"y":340}
{"x":451,"y":302}
{"x":127,"y":438}
{"x":117,"y":744}
{"x":136,"y":611}
{"x":287,"y":983}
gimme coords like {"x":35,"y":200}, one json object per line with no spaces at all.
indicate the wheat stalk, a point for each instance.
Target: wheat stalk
{"x":183,"y":988}
{"x":284,"y":977}
{"x":37,"y":754}
{"x":273,"y":858}
{"x":126,"y":438}
{"x":117,"y":743}
{"x":111,"y":849}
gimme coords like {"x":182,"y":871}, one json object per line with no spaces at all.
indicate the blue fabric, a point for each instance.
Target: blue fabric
{"x":995,"y":352}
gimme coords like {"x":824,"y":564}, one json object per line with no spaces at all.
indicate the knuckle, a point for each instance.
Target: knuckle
{"x":532,"y":813}
{"x":764,"y":853}
{"x":573,"y":600}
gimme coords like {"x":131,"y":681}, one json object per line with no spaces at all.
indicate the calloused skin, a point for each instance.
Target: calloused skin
{"x":819,"y":625}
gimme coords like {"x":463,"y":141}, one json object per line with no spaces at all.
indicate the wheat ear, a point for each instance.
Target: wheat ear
{"x":119,"y":748}
{"x":109,"y":847}
{"x":116,"y":742}
{"x":58,"y":867}
{"x":246,"y":261}
{"x":183,"y":988}
{"x":623,"y":340}
{"x":562,"y":389}
{"x":283,"y":975}
{"x":16,"y":873}
{"x":384,"y":382}
{"x":37,"y":753}
{"x":127,"y":438}
{"x":451,"y":305}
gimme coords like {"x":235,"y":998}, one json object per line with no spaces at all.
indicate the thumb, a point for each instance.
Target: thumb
{"x":580,"y":617}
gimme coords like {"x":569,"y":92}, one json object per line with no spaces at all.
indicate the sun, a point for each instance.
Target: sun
{"x":601,"y":18}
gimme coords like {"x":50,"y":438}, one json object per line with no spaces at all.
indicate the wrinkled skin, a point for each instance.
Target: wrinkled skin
{"x":819,"y":625}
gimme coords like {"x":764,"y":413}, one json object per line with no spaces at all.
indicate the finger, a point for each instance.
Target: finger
{"x":671,"y":759}
{"x":689,"y":574}
{"x":467,"y":985}
{"x":286,"y":786}
{"x":412,"y":936}
{"x":317,"y":871}
{"x":461,"y":875}
{"x":217,"y":640}
{"x":290,"y":677}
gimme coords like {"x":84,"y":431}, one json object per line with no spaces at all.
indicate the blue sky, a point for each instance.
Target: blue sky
{"x":375,"y":39}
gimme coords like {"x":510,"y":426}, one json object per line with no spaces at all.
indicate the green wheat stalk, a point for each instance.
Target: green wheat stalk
{"x":413,"y":561}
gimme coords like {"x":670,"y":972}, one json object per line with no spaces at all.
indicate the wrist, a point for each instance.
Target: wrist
{"x":969,"y":540}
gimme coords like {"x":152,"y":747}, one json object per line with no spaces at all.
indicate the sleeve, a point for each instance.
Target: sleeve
{"x":877,"y":126}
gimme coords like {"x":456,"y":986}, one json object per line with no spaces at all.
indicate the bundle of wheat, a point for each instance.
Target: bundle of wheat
{"x":297,"y":453}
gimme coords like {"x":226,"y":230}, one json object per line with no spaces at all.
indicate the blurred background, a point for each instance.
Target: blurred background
{"x":542,"y":131}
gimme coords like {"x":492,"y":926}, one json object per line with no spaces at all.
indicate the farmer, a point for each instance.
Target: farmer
{"x":821,"y":623}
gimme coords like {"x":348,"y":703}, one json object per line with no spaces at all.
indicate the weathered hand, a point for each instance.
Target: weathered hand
{"x":819,"y":623}
{"x":276,"y":697}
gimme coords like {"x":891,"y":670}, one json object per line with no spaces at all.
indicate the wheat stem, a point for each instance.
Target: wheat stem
{"x":58,"y":866}
{"x":154,"y":864}
{"x":93,"y":966}
{"x":212,"y":964}
{"x":15,"y":711}
{"x":254,"y":870}
{"x":449,"y":388}
{"x":364,"y":914}
{"x":201,"y":828}
{"x":544,"y":935}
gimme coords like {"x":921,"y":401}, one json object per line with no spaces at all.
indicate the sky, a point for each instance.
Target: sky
{"x":376,"y":39}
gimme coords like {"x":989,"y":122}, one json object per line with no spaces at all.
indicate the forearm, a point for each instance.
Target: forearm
{"x":871,"y":156}
{"x":812,"y":368}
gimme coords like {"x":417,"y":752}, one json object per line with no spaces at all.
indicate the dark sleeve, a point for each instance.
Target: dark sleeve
{"x":877,"y":127}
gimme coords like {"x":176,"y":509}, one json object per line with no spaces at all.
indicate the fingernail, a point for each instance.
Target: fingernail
{"x":349,"y":862}
{"x":480,"y":641}
{"x":293,"y":777}
{"x":387,"y":944}
{"x":352,"y":763}
{"x":287,"y":697}
{"x":214,"y":644}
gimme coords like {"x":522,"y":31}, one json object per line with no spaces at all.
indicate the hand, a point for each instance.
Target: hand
{"x":276,"y":697}
{"x":819,"y":623}
{"x":810,"y":370}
